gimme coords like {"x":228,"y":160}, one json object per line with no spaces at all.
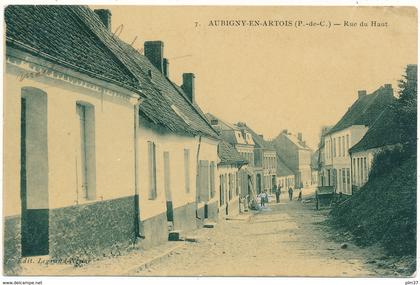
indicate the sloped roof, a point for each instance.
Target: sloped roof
{"x":164,"y":94}
{"x":384,"y":131}
{"x":282,"y":169}
{"x":229,"y":155}
{"x":294,"y":139}
{"x":365,"y":109}
{"x":259,"y":141}
{"x":60,"y":34}
{"x":74,"y":36}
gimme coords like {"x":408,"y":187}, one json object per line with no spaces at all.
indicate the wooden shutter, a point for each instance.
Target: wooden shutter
{"x":187,"y":170}
{"x":152,"y":170}
{"x":212,"y":178}
{"x":167,"y":176}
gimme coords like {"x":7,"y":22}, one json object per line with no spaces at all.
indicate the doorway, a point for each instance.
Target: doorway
{"x":34,"y":173}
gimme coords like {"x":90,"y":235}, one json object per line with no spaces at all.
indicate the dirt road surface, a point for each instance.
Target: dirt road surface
{"x":286,"y":239}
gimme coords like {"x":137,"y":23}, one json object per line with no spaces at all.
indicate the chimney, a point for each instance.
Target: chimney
{"x":388,"y":86}
{"x":361,"y":93}
{"x":299,"y":136}
{"x":411,"y":72}
{"x":261,"y":136}
{"x":188,"y":86}
{"x":166,"y":67}
{"x":153,"y":50}
{"x":284,"y":131}
{"x":105,"y":16}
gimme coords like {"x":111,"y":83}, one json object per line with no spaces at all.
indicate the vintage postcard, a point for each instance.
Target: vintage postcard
{"x":209,"y":141}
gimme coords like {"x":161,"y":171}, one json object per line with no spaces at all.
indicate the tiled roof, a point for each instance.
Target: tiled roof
{"x":365,"y":110}
{"x":60,"y":35}
{"x":164,"y":95}
{"x":384,"y":131}
{"x":229,"y":155}
{"x":75,"y":37}
{"x":282,"y":169}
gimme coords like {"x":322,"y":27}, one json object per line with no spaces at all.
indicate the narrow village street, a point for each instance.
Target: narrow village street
{"x":286,"y":239}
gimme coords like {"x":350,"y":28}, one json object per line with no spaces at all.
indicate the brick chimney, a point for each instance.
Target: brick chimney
{"x":166,"y":67}
{"x":188,"y":86}
{"x":105,"y":16}
{"x":388,"y":86}
{"x":361,"y":93}
{"x":153,"y":50}
{"x":299,"y":136}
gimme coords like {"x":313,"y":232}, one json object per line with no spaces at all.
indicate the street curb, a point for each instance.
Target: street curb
{"x":149,"y":262}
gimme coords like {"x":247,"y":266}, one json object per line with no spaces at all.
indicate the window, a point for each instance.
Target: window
{"x":348,"y":181}
{"x":187,"y":170}
{"x":344,"y":179}
{"x":152,"y":170}
{"x":338,"y":181}
{"x":365,"y":169}
{"x":347,"y":144}
{"x":334,"y":147}
{"x":212,"y":178}
{"x":339,"y":146}
{"x":343,"y":147}
{"x":86,"y":151}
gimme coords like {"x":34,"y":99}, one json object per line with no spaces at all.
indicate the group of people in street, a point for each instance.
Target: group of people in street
{"x":277,"y":191}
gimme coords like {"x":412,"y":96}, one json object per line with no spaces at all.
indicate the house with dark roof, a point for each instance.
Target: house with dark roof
{"x":350,"y":129}
{"x":264,"y":160}
{"x":178,"y":174}
{"x":243,"y":142}
{"x":296,"y":154}
{"x":384,"y":133}
{"x":70,"y":107}
{"x":229,"y":168}
{"x":105,"y":149}
{"x":285,"y":176}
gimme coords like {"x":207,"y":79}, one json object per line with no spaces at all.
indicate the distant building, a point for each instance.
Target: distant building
{"x":264,"y":161}
{"x":229,"y":176}
{"x":242,"y":141}
{"x":351,"y":128}
{"x":296,"y":154}
{"x":285,"y":176}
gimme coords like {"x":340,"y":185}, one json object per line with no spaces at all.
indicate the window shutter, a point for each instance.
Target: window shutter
{"x":212,"y":178}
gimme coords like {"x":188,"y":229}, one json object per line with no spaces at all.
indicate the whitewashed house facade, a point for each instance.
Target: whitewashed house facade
{"x":69,"y":151}
{"x":337,"y":168}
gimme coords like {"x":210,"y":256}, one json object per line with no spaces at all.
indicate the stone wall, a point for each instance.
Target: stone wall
{"x":88,"y":230}
{"x":12,"y":247}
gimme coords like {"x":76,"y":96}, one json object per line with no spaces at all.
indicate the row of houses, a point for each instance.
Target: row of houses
{"x":348,"y":148}
{"x":103,"y":150}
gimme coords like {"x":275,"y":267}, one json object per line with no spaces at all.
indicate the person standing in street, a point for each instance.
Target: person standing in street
{"x":276,"y":190}
{"x":290,"y":193}
{"x":263,"y":198}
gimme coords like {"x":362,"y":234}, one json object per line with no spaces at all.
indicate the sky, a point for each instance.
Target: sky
{"x":277,"y":77}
